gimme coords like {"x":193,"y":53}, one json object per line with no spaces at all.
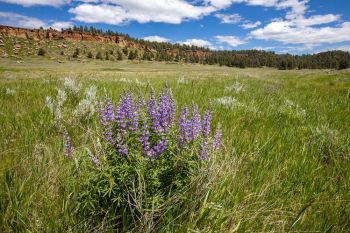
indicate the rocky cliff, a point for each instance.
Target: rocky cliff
{"x":51,"y":34}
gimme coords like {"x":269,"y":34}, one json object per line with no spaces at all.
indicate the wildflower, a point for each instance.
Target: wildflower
{"x":92,"y":158}
{"x":71,"y":86}
{"x":67,"y":144}
{"x":184,"y":127}
{"x":140,"y":101}
{"x":206,"y":123}
{"x":195,"y":122}
{"x":61,"y":97}
{"x":228,"y":102}
{"x":131,"y":111}
{"x":109,"y":111}
{"x":236,"y":87}
{"x":163,"y":112}
{"x":160,"y":147}
{"x":217,"y":139}
{"x":105,"y":116}
{"x":144,"y":140}
{"x":203,"y":149}
{"x":49,"y":103}
{"x":152,"y":111}
{"x":10,"y":91}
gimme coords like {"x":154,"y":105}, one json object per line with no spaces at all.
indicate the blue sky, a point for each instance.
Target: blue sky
{"x":293,"y":26}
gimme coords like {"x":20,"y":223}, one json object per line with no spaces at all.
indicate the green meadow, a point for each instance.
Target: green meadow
{"x":284,"y":165}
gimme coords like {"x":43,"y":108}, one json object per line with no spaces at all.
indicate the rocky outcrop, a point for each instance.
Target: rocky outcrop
{"x":52,"y":34}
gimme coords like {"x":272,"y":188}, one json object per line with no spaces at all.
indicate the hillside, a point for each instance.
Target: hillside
{"x":83,"y":43}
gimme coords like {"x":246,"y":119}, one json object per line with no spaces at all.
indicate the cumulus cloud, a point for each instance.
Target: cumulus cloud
{"x":55,"y":3}
{"x":58,"y":25}
{"x":17,"y":20}
{"x":288,"y":33}
{"x":250,"y":25}
{"x":315,"y":20}
{"x":229,"y":19}
{"x":197,"y":42}
{"x":230,"y":40}
{"x":156,"y":38}
{"x":122,"y":11}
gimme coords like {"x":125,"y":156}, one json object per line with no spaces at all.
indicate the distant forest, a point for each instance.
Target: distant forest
{"x":163,"y":51}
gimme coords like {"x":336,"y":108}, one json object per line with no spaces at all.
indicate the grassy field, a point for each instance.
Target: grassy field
{"x":285,"y":165}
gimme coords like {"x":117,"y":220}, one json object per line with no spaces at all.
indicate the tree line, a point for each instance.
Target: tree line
{"x":164,"y":51}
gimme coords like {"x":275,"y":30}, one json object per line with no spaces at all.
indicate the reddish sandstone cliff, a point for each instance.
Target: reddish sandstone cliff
{"x":51,"y":34}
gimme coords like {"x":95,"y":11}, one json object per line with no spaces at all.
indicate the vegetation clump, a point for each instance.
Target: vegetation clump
{"x":149,"y":157}
{"x":41,"y":52}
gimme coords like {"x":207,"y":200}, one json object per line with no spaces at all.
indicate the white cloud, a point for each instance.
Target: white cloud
{"x":230,"y":40}
{"x":197,"y":42}
{"x":267,"y":48}
{"x":229,"y":19}
{"x":250,"y":25}
{"x":219,"y":3}
{"x":59,"y":25}
{"x":287,"y":33}
{"x":55,"y":3}
{"x":17,"y":20}
{"x":156,"y":38}
{"x":315,"y":20}
{"x":122,"y":11}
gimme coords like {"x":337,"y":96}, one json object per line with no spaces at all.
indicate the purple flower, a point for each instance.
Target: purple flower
{"x":163,"y":113}
{"x":184,"y":127}
{"x":109,"y":111}
{"x":152,"y":111}
{"x":203,"y":149}
{"x":106,"y":115}
{"x":67,"y":144}
{"x":144,"y":140}
{"x":121,"y":118}
{"x":160,"y":147}
{"x":131,"y":111}
{"x":217,"y":139}
{"x":206,"y":123}
{"x":196,"y":126}
{"x":140,"y":101}
{"x":122,"y":148}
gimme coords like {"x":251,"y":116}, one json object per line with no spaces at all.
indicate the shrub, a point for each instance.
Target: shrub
{"x":149,"y":157}
{"x":119,"y":56}
{"x":99,"y":55}
{"x":41,"y":52}
{"x":90,"y":55}
{"x":76,"y":53}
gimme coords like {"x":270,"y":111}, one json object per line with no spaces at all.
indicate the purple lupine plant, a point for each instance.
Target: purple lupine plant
{"x":163,"y":113}
{"x":106,"y":115}
{"x":140,"y":101}
{"x":152,"y":111}
{"x":109,"y":111}
{"x":184,"y":127}
{"x":196,"y":126}
{"x":217,"y":139}
{"x":206,"y":123}
{"x":67,"y":144}
{"x":203,"y":153}
{"x":121,"y":117}
{"x":131,"y":110}
{"x":144,"y":140}
{"x":160,"y":147}
{"x":156,"y":134}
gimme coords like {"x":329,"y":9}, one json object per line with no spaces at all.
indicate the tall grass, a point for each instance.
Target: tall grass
{"x":284,"y":166}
